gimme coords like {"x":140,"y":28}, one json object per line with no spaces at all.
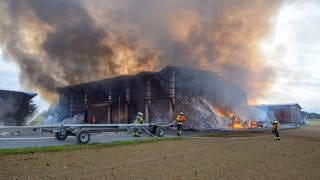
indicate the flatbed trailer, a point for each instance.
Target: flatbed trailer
{"x":82,"y":131}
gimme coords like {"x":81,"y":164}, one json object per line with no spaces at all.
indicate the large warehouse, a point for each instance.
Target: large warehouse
{"x":158,"y":95}
{"x":14,"y":107}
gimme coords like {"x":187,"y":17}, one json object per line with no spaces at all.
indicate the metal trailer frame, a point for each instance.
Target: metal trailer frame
{"x":82,"y":131}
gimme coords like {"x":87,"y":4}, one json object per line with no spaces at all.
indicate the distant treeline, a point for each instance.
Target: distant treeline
{"x":309,"y":115}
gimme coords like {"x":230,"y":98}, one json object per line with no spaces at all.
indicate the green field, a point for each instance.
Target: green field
{"x":314,"y":122}
{"x":31,"y":150}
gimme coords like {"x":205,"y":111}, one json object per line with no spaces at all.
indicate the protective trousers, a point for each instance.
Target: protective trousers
{"x":276,"y":135}
{"x":136,"y":132}
{"x":179,"y":129}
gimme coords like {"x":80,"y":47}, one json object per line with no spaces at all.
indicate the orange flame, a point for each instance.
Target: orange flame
{"x":237,"y":126}
{"x":221,"y":114}
{"x":236,"y":121}
{"x":252,"y":124}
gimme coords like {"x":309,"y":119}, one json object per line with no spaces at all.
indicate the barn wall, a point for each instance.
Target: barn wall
{"x":295,"y":114}
{"x":290,"y":113}
{"x":14,"y":107}
{"x":148,"y":93}
{"x":283,"y":114}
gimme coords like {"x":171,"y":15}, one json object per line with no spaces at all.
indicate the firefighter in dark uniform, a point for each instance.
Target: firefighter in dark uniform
{"x":138,"y":120}
{"x":179,"y":121}
{"x":275,"y":130}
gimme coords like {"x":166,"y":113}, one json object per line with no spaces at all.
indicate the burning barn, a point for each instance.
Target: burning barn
{"x":15,"y":107}
{"x":159,"y":95}
{"x":285,"y":113}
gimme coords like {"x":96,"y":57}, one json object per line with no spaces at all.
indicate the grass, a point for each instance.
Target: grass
{"x":233,"y":134}
{"x":314,"y":122}
{"x":31,"y":150}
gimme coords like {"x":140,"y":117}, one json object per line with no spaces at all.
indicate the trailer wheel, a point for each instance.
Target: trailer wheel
{"x":82,"y":137}
{"x":154,"y":130}
{"x":61,"y":135}
{"x":159,"y":131}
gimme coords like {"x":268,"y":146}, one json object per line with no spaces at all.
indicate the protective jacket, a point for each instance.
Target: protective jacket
{"x":138,"y":120}
{"x":180,"y":119}
{"x":275,"y":126}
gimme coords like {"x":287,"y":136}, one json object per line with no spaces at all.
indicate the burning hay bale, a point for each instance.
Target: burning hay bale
{"x":204,"y":115}
{"x":199,"y":116}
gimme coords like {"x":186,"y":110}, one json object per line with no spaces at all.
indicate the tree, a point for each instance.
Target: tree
{"x":309,"y":115}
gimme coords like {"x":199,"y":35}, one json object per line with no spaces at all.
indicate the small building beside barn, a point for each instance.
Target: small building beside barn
{"x":285,"y":113}
{"x":14,"y":107}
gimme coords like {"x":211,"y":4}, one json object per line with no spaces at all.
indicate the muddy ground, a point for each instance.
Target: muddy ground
{"x":242,"y":156}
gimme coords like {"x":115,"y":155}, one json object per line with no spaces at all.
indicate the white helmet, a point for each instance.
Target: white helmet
{"x":181,"y":113}
{"x":140,"y":113}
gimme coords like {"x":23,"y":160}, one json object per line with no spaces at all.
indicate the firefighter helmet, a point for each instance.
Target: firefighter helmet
{"x":181,"y":113}
{"x":140,"y":114}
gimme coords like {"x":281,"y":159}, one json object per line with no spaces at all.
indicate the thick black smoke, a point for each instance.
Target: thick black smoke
{"x":64,"y":42}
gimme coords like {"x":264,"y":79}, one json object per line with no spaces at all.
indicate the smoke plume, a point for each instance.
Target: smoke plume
{"x":58,"y":43}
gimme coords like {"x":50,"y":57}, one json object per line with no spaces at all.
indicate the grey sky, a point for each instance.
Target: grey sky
{"x":293,"y":50}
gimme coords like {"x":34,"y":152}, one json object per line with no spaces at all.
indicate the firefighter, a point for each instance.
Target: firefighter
{"x":180,"y":120}
{"x":138,"y":120}
{"x":275,"y":130}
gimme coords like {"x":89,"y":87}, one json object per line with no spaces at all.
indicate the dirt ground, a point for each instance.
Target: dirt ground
{"x":257,"y":156}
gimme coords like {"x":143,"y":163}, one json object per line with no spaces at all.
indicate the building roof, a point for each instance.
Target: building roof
{"x":279,"y":105}
{"x":184,"y":69}
{"x":30,"y":94}
{"x":163,"y":70}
